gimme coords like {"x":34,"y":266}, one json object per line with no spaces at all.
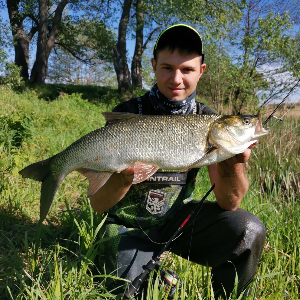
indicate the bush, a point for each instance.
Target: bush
{"x":14,"y":128}
{"x":12,"y":77}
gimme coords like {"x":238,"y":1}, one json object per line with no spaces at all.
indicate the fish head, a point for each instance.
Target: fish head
{"x":235,"y":133}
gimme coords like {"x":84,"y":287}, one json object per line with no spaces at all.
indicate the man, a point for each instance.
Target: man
{"x":142,"y":217}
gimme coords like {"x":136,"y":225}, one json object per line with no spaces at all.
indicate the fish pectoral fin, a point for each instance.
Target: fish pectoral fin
{"x":206,"y":154}
{"x":115,"y":117}
{"x":142,"y":171}
{"x":96,"y":179}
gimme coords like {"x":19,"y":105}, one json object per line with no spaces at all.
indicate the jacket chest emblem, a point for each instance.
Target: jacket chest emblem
{"x":155,"y":202}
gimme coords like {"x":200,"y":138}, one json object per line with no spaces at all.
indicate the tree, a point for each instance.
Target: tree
{"x":63,"y":68}
{"x":254,"y":58}
{"x":19,"y":11}
{"x":17,"y":15}
{"x":120,"y":51}
{"x":136,"y":65}
{"x":78,"y":30}
{"x":215,"y":81}
{"x":82,"y":45}
{"x":46,"y":42}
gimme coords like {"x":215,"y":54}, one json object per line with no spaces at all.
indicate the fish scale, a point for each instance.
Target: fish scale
{"x":164,"y":131}
{"x":149,"y":143}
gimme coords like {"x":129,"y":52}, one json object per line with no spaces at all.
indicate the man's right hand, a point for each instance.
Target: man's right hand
{"x":128,"y":174}
{"x":113,"y":190}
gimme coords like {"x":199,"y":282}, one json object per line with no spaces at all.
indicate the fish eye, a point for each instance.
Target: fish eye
{"x":247,"y":121}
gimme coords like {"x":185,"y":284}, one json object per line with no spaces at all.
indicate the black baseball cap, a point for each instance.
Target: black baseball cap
{"x":183,"y":37}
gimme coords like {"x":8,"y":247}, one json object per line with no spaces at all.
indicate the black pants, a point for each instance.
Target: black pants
{"x":231,"y":242}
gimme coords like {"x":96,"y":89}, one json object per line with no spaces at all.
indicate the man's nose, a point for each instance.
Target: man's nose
{"x":176,"y":77}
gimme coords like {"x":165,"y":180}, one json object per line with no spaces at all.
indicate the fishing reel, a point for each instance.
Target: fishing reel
{"x":168,"y":280}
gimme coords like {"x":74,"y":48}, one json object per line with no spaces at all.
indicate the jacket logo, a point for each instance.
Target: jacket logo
{"x":167,"y":178}
{"x":155,"y":202}
{"x":163,"y":178}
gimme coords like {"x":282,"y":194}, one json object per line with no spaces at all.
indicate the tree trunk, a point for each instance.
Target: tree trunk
{"x":119,"y":51}
{"x":136,"y":65}
{"x":39,"y":70}
{"x":45,"y":44}
{"x":237,"y":103}
{"x":21,"y":42}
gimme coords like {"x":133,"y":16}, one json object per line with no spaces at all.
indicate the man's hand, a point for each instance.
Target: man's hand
{"x":230,"y":179}
{"x":113,"y":190}
{"x":128,"y":174}
{"x":242,"y":157}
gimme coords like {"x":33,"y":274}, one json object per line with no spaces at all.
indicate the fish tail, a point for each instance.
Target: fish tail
{"x":41,"y":171}
{"x":37,"y":171}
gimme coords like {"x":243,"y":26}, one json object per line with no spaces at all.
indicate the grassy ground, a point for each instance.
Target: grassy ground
{"x":57,"y":263}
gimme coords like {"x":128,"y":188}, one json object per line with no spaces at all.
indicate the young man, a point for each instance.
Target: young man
{"x":142,"y":217}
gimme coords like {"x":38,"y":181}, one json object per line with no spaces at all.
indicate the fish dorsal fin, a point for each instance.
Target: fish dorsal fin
{"x":115,"y":117}
{"x":142,"y":171}
{"x":96,"y":179}
{"x":206,"y":154}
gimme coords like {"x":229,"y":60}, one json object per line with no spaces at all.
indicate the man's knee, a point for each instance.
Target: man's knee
{"x":254,"y":231}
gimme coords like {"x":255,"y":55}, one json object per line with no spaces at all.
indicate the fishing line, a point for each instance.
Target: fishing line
{"x":154,"y":242}
{"x":271,"y":115}
{"x":275,"y":137}
{"x":281,"y":137}
{"x":291,"y":90}
{"x":174,"y":237}
{"x":193,"y":224}
{"x":279,"y":119}
{"x":135,"y":285}
{"x":198,"y":208}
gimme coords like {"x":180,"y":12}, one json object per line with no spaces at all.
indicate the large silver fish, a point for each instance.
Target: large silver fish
{"x":148,"y":143}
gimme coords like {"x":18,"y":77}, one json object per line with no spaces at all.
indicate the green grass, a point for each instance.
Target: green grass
{"x":58,"y":262}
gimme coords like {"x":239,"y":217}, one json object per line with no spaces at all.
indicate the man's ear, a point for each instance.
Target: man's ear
{"x":202,"y":69}
{"x":153,"y":62}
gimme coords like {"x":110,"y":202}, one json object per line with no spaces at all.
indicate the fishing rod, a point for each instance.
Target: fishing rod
{"x":272,"y":114}
{"x":134,"y":286}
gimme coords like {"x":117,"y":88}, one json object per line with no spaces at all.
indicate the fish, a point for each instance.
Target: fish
{"x":147,"y":142}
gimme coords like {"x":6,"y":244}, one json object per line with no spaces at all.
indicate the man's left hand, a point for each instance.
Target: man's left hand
{"x":242,"y":157}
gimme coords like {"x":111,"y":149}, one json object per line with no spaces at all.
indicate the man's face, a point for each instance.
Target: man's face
{"x":177,"y":74}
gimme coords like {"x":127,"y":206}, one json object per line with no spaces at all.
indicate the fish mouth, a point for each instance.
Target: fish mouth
{"x":258,"y":132}
{"x":259,"y":129}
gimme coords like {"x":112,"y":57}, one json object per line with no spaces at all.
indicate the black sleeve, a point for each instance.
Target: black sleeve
{"x":129,"y":106}
{"x":203,"y":109}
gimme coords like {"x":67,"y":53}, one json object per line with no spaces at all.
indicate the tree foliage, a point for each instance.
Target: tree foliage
{"x":58,"y":25}
{"x":63,"y":68}
{"x":254,"y":59}
{"x":81,"y":35}
{"x":263,"y":48}
{"x":3,"y":33}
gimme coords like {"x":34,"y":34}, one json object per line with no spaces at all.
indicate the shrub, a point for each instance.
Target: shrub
{"x":12,"y":77}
